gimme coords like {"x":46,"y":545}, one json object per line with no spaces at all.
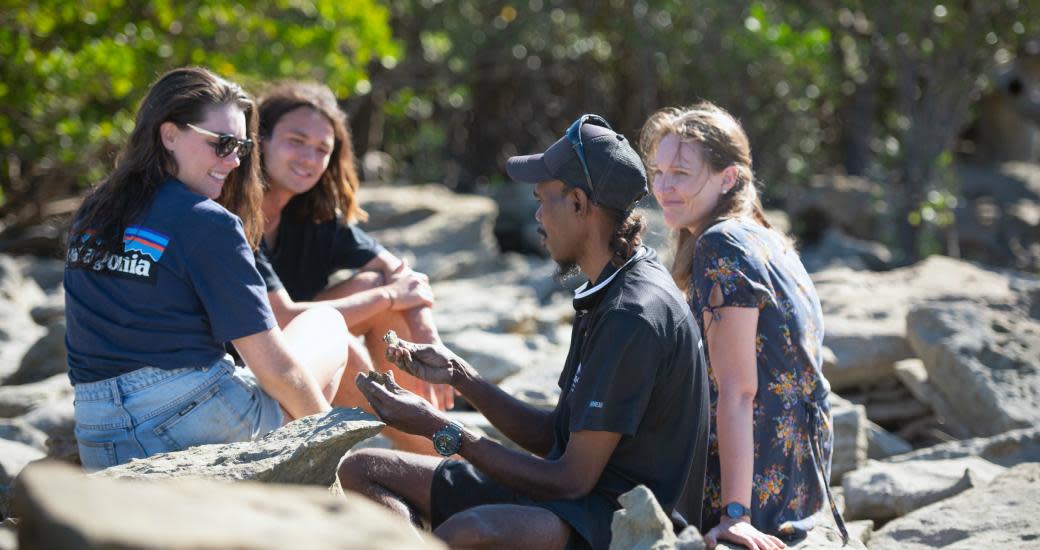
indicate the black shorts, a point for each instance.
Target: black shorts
{"x":458,"y":486}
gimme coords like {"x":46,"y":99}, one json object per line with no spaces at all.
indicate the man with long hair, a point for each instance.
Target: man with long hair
{"x":311,"y":209}
{"x":632,"y":408}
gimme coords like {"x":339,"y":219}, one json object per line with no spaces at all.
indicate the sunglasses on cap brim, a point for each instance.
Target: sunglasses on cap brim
{"x":574,"y":137}
{"x":226,"y":144}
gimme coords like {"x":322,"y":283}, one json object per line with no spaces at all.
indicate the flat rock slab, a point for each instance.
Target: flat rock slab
{"x":984,"y":358}
{"x":882,"y":490}
{"x":865,"y":312}
{"x":1006,"y":449}
{"x":61,"y":508}
{"x":306,"y":451}
{"x":1002,"y":514}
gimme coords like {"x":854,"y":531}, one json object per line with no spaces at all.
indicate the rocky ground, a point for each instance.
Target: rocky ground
{"x":934,"y":367}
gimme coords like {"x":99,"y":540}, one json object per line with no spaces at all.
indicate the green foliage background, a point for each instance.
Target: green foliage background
{"x":72,"y":73}
{"x":451,"y":88}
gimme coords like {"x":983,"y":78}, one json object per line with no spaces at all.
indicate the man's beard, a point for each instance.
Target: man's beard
{"x":565,"y":269}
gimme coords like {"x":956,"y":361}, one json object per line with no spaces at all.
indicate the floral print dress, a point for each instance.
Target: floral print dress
{"x":756,"y":267}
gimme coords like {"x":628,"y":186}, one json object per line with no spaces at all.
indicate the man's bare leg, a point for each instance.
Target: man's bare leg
{"x":398,"y":480}
{"x":504,"y":526}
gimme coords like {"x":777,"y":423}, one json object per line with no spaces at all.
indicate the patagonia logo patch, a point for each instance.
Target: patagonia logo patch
{"x":595,"y":404}
{"x":145,"y":241}
{"x":142,"y":249}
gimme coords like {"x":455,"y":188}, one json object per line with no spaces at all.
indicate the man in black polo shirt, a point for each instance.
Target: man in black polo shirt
{"x":633,"y":400}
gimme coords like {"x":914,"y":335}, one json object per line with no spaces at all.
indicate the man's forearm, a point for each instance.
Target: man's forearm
{"x":527,"y":426}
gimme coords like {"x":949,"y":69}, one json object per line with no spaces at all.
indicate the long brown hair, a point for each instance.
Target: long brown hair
{"x":180,"y":96}
{"x":723,"y":144}
{"x":335,"y":194}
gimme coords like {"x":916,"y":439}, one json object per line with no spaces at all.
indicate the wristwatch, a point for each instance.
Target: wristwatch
{"x":448,"y":440}
{"x":736,"y":510}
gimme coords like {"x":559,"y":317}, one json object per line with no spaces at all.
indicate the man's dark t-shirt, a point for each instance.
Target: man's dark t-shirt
{"x":636,"y":367}
{"x":307,"y":253}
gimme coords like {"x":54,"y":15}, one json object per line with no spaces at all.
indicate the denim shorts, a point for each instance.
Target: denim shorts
{"x":150,"y":411}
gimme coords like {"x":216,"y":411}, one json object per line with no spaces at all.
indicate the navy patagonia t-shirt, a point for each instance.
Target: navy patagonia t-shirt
{"x":184,"y":285}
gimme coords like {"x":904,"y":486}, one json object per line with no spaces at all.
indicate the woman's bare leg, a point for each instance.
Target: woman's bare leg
{"x":317,"y":339}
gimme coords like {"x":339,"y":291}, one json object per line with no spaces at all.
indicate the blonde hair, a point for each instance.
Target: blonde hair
{"x":723,"y":144}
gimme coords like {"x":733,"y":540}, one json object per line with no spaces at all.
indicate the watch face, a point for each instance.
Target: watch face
{"x":735,"y":510}
{"x":447,"y":442}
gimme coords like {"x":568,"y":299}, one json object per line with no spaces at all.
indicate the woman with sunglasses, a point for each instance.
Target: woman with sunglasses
{"x":769,"y":447}
{"x":310,"y":209}
{"x":159,"y":276}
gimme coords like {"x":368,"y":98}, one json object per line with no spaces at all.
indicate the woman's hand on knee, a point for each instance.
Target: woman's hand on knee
{"x":410,"y":291}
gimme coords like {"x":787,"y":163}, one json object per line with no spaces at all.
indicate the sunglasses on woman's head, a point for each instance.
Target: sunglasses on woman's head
{"x":226,"y":144}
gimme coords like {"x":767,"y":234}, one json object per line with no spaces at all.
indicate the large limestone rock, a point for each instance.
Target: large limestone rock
{"x":914,"y":376}
{"x":446,"y":234}
{"x":488,"y":303}
{"x":306,"y":451}
{"x":1002,"y":514}
{"x":641,"y":524}
{"x":18,"y":400}
{"x":865,"y":313}
{"x":495,"y":356}
{"x":882,"y":491}
{"x":60,"y":508}
{"x":984,"y":358}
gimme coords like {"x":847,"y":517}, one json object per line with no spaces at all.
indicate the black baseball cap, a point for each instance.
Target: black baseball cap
{"x":614,"y":178}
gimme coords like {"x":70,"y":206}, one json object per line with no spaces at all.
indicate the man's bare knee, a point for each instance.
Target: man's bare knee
{"x":361,"y":468}
{"x":502,"y":526}
{"x":352,"y":471}
{"x":468,"y":529}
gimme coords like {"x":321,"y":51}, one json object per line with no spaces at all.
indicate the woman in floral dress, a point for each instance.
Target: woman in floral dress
{"x":770,"y":441}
